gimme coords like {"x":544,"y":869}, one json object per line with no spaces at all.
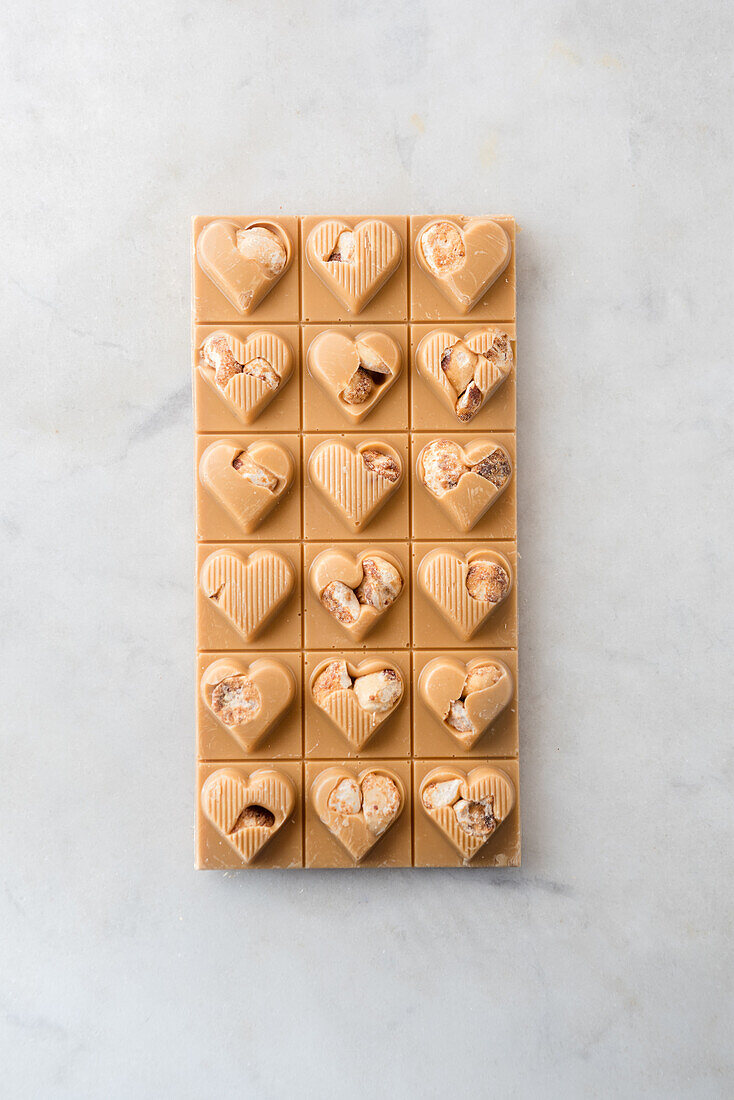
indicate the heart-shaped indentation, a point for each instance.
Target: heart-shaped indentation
{"x":464,"y":481}
{"x":357,"y":698}
{"x":248,"y":482}
{"x":244,"y":262}
{"x":463,"y":262}
{"x":355,"y":373}
{"x":245,"y":374}
{"x":358,"y":809}
{"x":248,"y":592}
{"x":356,"y":590}
{"x":353,"y":263}
{"x":248,"y":700}
{"x":247,"y":810}
{"x":466,"y":590}
{"x":467,"y":808}
{"x":465,"y":371}
{"x":466,"y":698}
{"x":355,"y":481}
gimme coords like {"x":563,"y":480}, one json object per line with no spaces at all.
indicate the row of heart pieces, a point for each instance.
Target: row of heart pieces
{"x":354,"y":262}
{"x":358,"y":808}
{"x":356,"y":372}
{"x":356,"y":481}
{"x":356,"y":590}
{"x":250,"y":700}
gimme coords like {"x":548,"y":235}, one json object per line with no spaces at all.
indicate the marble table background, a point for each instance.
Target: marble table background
{"x":603,"y":967}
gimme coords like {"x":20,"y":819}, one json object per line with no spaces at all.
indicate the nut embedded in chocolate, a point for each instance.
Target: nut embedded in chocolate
{"x":260,"y":368}
{"x":358,"y":389}
{"x":381,"y":583}
{"x":495,"y":467}
{"x":343,"y":250}
{"x":487,"y":581}
{"x":218,"y":354}
{"x":481,"y":678}
{"x":476,"y":817}
{"x":247,"y":468}
{"x":458,"y":719}
{"x":443,"y":248}
{"x":443,"y":466}
{"x":459,"y":364}
{"x":346,"y":798}
{"x":339,"y":599}
{"x":369,"y":358}
{"x":437,"y":795}
{"x":380,"y":801}
{"x":378,"y":692}
{"x":264,"y":247}
{"x":380,"y":463}
{"x":334,"y":677}
{"x":254,"y":817}
{"x":469,"y":402}
{"x":235,"y":700}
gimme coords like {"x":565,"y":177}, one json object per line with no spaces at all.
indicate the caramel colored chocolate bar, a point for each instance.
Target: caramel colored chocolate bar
{"x":356,"y":522}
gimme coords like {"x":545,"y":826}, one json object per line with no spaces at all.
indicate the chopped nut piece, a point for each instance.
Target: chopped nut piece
{"x":437,"y":795}
{"x":380,"y":802}
{"x":340,"y":600}
{"x":495,"y":467}
{"x":384,"y":465}
{"x":443,"y":248}
{"x":381,"y":583}
{"x":459,"y":364}
{"x":358,"y":389}
{"x":370,"y":360}
{"x":481,"y":678}
{"x":378,"y":692}
{"x":260,"y":368}
{"x":476,"y":817}
{"x":264,"y":247}
{"x":333,"y":678}
{"x":487,"y":581}
{"x":217,"y":353}
{"x":254,"y":816}
{"x":346,"y":798}
{"x":500,"y":349}
{"x":469,"y":402}
{"x":236,"y":700}
{"x":443,"y":466}
{"x":458,"y":719}
{"x":343,"y":251}
{"x":247,"y":468}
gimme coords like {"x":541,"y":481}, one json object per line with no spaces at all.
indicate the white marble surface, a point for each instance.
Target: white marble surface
{"x":602,"y":968}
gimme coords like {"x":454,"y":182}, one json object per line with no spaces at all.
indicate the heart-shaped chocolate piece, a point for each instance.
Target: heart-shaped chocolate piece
{"x":356,"y":590}
{"x":248,"y":482}
{"x":247,"y":809}
{"x":247,"y":591}
{"x":467,"y":808}
{"x":244,"y":262}
{"x":466,"y":698}
{"x":356,"y":481}
{"x":357,"y":698}
{"x":465,"y":371}
{"x":248,"y":700}
{"x":358,"y":809}
{"x":466,"y":590}
{"x":353,"y":263}
{"x":245,"y":374}
{"x":464,"y":481}
{"x":465,"y":261}
{"x":355,"y":373}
